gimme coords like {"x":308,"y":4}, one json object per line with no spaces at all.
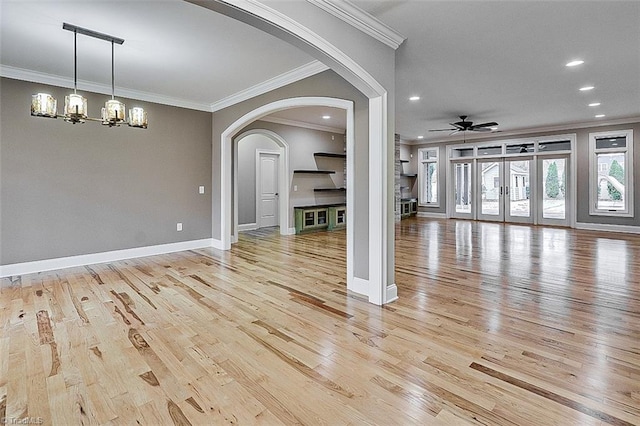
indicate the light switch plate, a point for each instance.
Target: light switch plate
{"x":201,"y":189}
{"x":179,"y":226}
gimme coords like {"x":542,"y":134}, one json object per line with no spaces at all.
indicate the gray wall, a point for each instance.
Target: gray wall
{"x":327,"y":84}
{"x":78,"y":189}
{"x":582,"y":159}
{"x":302,"y":144}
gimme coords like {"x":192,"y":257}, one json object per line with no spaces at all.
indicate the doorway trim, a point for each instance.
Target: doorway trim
{"x":228,"y":179}
{"x":283,"y":180}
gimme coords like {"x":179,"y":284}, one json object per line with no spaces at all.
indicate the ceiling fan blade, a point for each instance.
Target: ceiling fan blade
{"x":441,"y":130}
{"x":490,"y":124}
{"x":480,"y":129}
{"x":461,"y":124}
{"x":455,"y":132}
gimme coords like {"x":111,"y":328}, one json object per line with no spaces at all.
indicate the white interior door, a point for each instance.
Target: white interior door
{"x":267,"y":189}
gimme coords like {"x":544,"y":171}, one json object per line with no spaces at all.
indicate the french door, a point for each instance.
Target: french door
{"x":553,"y":196}
{"x":462,"y":178}
{"x":504,"y":190}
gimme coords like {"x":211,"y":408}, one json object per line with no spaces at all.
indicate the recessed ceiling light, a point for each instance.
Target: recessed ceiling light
{"x":414,"y":98}
{"x":585,"y":88}
{"x":493,"y":128}
{"x":600,"y":115}
{"x":594,"y":104}
{"x":420,"y":137}
{"x":575,"y":63}
{"x":326,"y":117}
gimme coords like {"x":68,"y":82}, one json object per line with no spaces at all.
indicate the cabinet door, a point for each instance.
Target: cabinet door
{"x":321,"y":217}
{"x":309,"y":218}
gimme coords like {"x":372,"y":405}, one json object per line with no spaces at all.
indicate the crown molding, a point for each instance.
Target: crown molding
{"x":55,"y":80}
{"x":303,"y":124}
{"x":527,"y":131}
{"x":358,"y":18}
{"x":297,"y":74}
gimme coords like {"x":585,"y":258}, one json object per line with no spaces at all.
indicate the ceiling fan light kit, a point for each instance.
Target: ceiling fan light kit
{"x":75,"y":105}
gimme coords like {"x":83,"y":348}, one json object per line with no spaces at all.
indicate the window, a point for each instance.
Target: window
{"x":611,"y":173}
{"x":428,"y":177}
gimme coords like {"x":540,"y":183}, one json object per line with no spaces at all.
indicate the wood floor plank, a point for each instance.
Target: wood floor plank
{"x":495,"y":324}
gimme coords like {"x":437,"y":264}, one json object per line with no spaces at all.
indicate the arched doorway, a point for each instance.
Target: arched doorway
{"x":229,"y":223}
{"x":283,"y":180}
{"x":373,"y":74}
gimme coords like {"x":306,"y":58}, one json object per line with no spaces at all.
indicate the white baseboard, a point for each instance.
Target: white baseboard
{"x":392,"y":293}
{"x":608,"y":228}
{"x":247,"y":227}
{"x":291,"y":231}
{"x":432,"y":215}
{"x":103,"y":257}
{"x":217,"y":244}
{"x":358,"y":285}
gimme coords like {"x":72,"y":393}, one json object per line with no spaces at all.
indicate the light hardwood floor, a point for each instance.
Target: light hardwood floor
{"x":496,"y":324}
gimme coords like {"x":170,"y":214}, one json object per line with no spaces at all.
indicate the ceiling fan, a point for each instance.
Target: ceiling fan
{"x":467,"y":126}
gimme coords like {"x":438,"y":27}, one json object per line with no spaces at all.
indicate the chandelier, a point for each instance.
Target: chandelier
{"x":75,"y":105}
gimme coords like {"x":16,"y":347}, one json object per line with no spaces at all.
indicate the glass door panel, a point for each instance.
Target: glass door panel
{"x":491,"y":186}
{"x":518,"y":191}
{"x":553,"y":197}
{"x":462,"y":190}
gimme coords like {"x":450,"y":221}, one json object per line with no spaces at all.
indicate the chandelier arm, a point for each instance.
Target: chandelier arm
{"x":75,"y":62}
{"x":113,"y":84}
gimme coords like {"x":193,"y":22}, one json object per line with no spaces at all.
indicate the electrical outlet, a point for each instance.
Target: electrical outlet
{"x":201,"y":189}
{"x":179,"y":226}
{"x":295,"y":188}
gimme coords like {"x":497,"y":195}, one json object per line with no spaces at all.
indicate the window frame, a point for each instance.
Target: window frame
{"x":628,"y":172}
{"x":421,"y":167}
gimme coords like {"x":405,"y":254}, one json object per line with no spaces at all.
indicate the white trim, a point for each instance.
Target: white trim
{"x":432,"y":215}
{"x":351,"y":197}
{"x":378,"y":258}
{"x":247,"y":227}
{"x":360,"y":286}
{"x":284,"y":181}
{"x":217,"y":244}
{"x":102,"y":257}
{"x":303,"y":124}
{"x":607,"y":227}
{"x":628,"y":172}
{"x":421,"y":163}
{"x":527,"y":131}
{"x":296,"y":74}
{"x":105,"y":89}
{"x":391,"y":294}
{"x":358,"y":18}
{"x":364,"y":81}
{"x":291,"y":231}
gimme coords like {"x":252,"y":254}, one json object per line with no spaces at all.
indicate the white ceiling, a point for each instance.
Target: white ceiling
{"x":491,"y":60}
{"x":504,"y":61}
